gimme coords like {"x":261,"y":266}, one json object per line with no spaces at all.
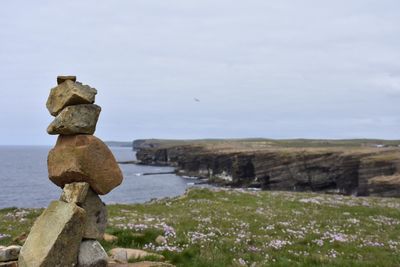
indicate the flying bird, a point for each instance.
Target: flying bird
{"x":196,"y":99}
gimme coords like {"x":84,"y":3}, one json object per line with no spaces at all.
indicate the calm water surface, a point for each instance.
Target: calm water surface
{"x":24,"y":181}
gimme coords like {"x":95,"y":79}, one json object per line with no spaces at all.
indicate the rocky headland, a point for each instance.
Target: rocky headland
{"x":349,"y":167}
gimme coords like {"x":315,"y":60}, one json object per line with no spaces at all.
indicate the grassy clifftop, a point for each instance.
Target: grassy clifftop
{"x":261,"y":143}
{"x":245,"y":228}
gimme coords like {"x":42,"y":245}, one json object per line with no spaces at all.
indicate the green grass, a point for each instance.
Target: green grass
{"x":14,"y":222}
{"x":261,"y":142}
{"x":244,"y":228}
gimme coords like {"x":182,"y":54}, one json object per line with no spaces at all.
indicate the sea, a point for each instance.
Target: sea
{"x":24,"y":180}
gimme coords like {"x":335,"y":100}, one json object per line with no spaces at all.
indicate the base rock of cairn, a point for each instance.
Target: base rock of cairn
{"x":66,"y":233}
{"x":55,"y":237}
{"x":96,"y":213}
{"x":92,"y":254}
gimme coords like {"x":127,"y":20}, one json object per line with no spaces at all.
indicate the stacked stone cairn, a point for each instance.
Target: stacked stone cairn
{"x":67,"y":232}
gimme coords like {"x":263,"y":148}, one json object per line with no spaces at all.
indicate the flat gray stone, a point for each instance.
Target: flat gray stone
{"x":96,"y":213}
{"x":78,"y":119}
{"x":69,"y":93}
{"x":75,"y":192}
{"x":92,"y":254}
{"x":55,"y":237}
{"x":9,"y":253}
{"x":124,"y":255}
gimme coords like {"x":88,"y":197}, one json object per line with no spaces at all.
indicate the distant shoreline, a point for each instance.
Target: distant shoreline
{"x":362,"y":167}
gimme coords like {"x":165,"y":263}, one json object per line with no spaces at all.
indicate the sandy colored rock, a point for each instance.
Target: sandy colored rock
{"x":55,"y":237}
{"x":123,"y":255}
{"x":119,"y":255}
{"x":83,"y":158}
{"x":110,"y":238}
{"x":96,"y":216}
{"x":141,"y":264}
{"x":78,"y":119}
{"x":20,"y":239}
{"x":69,"y":93}
{"x":160,"y":240}
{"x":9,"y":253}
{"x":75,"y":193}
{"x":9,"y":264}
{"x":92,"y":254}
{"x":151,"y":264}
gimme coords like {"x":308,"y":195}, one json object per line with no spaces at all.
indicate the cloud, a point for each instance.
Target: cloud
{"x":261,"y":68}
{"x":389,"y":83}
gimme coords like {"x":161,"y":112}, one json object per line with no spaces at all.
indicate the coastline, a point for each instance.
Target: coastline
{"x":347,"y":167}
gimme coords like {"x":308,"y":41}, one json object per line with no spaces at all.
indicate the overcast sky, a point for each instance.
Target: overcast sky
{"x":277,"y":69}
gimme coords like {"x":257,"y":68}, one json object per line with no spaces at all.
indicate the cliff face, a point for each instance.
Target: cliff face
{"x":344,"y":170}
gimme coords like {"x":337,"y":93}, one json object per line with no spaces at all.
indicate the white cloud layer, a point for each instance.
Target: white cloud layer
{"x":279,"y":69}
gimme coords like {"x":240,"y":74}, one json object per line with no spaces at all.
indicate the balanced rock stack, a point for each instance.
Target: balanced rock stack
{"x":66,"y":233}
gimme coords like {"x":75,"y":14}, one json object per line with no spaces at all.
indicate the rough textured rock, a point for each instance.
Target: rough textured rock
{"x":9,"y":264}
{"x":123,"y":255}
{"x":9,"y":253}
{"x":160,"y":240}
{"x":96,"y":216}
{"x":63,"y":78}
{"x":110,"y":238}
{"x":92,"y":254}
{"x":55,"y":237}
{"x":75,"y":193}
{"x":343,"y":170}
{"x":141,"y":264}
{"x":78,"y":119}
{"x":384,"y":186}
{"x":83,"y":158}
{"x":20,"y":239}
{"x":69,"y":93}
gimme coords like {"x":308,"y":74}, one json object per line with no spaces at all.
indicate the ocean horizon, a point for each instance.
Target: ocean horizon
{"x":25,"y":184}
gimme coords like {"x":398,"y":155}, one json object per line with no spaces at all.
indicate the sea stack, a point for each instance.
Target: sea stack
{"x":67,"y":232}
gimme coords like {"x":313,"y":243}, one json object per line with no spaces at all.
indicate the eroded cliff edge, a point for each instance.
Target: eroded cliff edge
{"x":358,"y":167}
